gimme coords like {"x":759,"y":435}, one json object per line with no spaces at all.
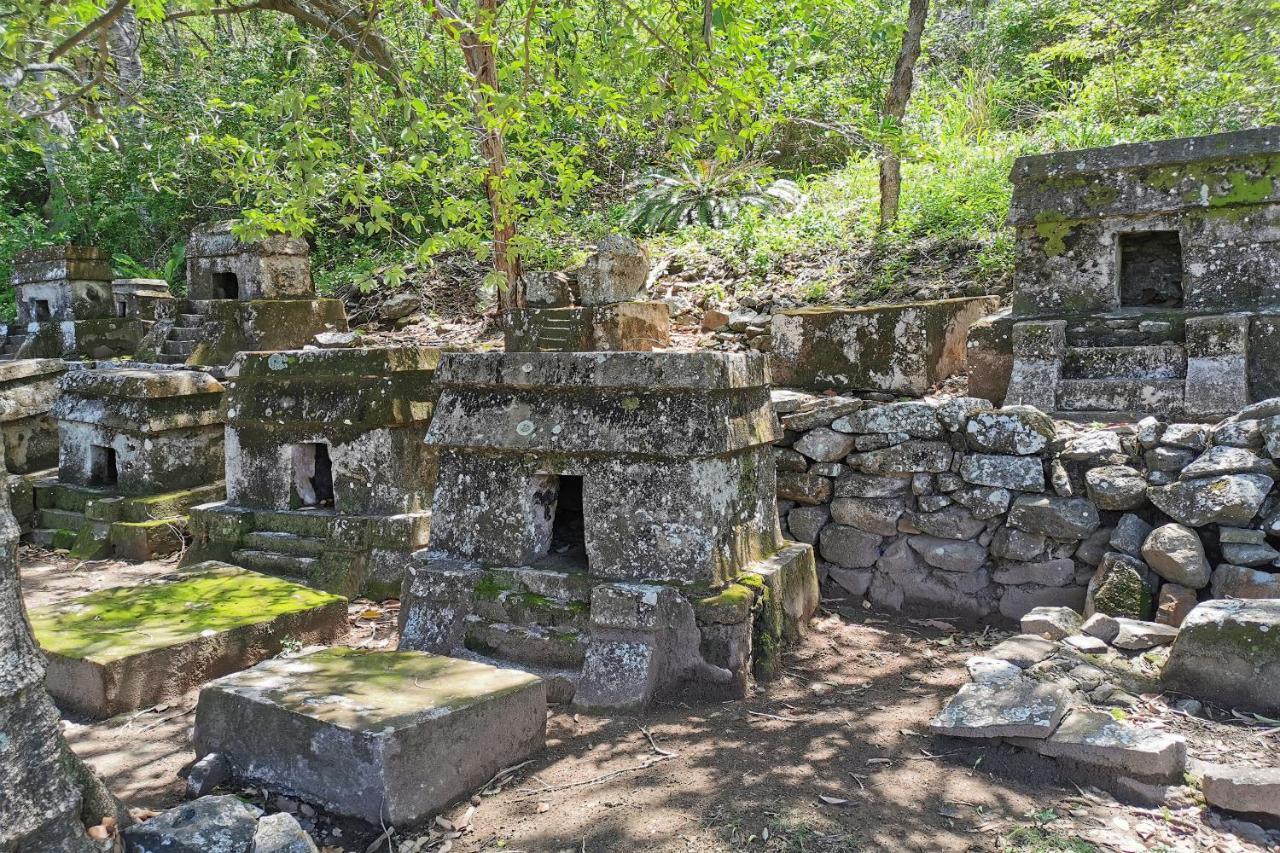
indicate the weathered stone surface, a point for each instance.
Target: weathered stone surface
{"x":824,"y":445}
{"x":849,"y":547}
{"x":1010,"y":543}
{"x":789,"y":460}
{"x":1091,"y":446}
{"x":1219,"y":461}
{"x":1174,"y":603}
{"x":1018,"y":473}
{"x":1016,"y":430}
{"x":1045,"y":573}
{"x":1021,"y":708}
{"x":822,"y":411}
{"x":1190,"y":436}
{"x":1230,"y":581}
{"x":1229,"y":651}
{"x":382,"y":736}
{"x":1052,"y":623}
{"x":1057,"y":518}
{"x":206,"y":774}
{"x":1238,"y":554}
{"x":1017,"y":601}
{"x":874,"y":515}
{"x":917,"y":420}
{"x":1135,"y":634}
{"x":1087,"y":644}
{"x":1129,"y":535}
{"x":952,"y":522}
{"x":1248,"y":789}
{"x":1101,"y":626}
{"x":1118,"y":588}
{"x":1233,"y":499}
{"x":1097,"y":739}
{"x":222,"y":824}
{"x":124,"y":648}
{"x":1174,"y":552}
{"x":987,"y":670}
{"x":1169,"y":459}
{"x":983,"y":501}
{"x":1091,"y":551}
{"x":806,"y":522}
{"x":955,"y":413}
{"x":949,"y":554}
{"x":809,"y":489}
{"x":280,"y":833}
{"x":856,"y":582}
{"x":910,"y":457}
{"x":1241,"y":536}
{"x":1231,"y":433}
{"x":853,"y":485}
{"x":1023,"y":650}
{"x":616,"y":272}
{"x":1116,"y":487}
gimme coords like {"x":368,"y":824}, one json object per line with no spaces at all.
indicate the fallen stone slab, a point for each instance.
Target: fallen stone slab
{"x":1135,"y":634}
{"x":1096,"y":739}
{"x":1254,"y":790}
{"x":1020,"y":708}
{"x":1085,"y":643}
{"x":125,"y":648}
{"x":1052,"y":623}
{"x":985,"y":670}
{"x":387,"y":737}
{"x":1102,"y":626}
{"x":224,"y":824}
{"x":1023,"y":650}
{"x":1228,"y":651}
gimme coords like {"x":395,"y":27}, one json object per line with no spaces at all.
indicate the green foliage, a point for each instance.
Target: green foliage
{"x":706,"y":192}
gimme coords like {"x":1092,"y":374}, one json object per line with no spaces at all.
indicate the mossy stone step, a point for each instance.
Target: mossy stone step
{"x":529,"y":644}
{"x":1158,"y":396}
{"x":1140,"y":362}
{"x":310,"y":524}
{"x":284,"y":543}
{"x":60,"y":519}
{"x":387,"y":737}
{"x":50,"y":494}
{"x":529,"y":608}
{"x":274,"y":563}
{"x":125,"y":648}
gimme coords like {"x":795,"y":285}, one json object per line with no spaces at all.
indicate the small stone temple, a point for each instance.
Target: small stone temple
{"x":67,"y":307}
{"x":28,"y":389}
{"x":608,"y":519}
{"x":241,"y":296}
{"x":137,"y":448}
{"x":594,"y":308}
{"x":328,"y":474}
{"x":1147,"y":278}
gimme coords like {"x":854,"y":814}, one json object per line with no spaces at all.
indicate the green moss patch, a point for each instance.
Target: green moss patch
{"x":116,"y":623}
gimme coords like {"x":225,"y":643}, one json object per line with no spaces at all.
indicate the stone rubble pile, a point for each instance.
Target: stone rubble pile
{"x":956,"y":506}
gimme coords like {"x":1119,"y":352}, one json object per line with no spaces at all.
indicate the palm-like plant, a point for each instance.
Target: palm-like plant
{"x":705,"y":192}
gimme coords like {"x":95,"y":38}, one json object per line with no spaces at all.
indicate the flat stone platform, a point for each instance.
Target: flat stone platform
{"x":388,"y":737}
{"x":125,"y":648}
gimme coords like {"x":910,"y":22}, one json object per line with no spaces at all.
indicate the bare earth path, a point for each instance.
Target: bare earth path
{"x":846,"y":721}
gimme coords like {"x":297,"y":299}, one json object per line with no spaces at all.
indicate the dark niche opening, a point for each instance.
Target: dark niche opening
{"x":225,"y":285}
{"x":313,"y":475}
{"x":103,"y":467}
{"x":568,"y":548}
{"x":1151,"y":270}
{"x":122,"y":308}
{"x":40,"y":310}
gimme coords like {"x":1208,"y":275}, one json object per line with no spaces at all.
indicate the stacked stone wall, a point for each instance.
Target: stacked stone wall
{"x":959,"y":508}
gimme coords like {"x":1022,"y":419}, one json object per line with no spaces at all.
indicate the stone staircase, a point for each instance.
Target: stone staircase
{"x":558,"y":333}
{"x":182,"y":339}
{"x":1122,"y":366}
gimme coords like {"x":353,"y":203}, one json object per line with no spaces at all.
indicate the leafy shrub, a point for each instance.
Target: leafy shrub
{"x":706,"y":192}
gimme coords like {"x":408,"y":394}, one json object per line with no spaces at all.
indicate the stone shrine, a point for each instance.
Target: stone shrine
{"x":1147,"y":278}
{"x":594,"y":308}
{"x":328,"y":475}
{"x":608,"y":519}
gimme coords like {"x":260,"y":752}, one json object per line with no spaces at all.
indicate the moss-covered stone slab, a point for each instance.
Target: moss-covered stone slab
{"x":388,"y":737}
{"x":1228,"y":651}
{"x":898,"y":348}
{"x":125,"y":648}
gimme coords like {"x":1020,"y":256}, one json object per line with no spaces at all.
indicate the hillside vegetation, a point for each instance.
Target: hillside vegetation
{"x":741,"y":139}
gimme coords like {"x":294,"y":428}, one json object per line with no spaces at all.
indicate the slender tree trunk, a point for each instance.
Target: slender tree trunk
{"x":123,"y":39}
{"x":47,"y":796}
{"x":483,"y":66}
{"x":895,"y":108}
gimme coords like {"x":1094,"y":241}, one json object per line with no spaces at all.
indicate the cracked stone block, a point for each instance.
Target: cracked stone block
{"x":125,"y":648}
{"x":1023,"y":650}
{"x":387,"y":737}
{"x":1229,"y":651}
{"x":1021,"y":708}
{"x":222,"y":823}
{"x":1252,"y":790}
{"x":1097,"y":739}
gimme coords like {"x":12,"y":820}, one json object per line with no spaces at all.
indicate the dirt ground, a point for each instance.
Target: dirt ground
{"x":833,"y":755}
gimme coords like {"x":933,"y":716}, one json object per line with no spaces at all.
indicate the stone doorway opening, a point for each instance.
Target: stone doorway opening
{"x":40,"y":310}
{"x":122,"y":308}
{"x":103,"y":468}
{"x":313,"y":475}
{"x":225,"y":285}
{"x":1150,"y":269}
{"x":568,"y":524}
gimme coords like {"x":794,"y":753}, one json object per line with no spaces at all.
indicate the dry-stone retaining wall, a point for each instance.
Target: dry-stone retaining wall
{"x":961,"y":508}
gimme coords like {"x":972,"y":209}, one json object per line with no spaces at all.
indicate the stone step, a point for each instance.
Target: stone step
{"x":165,"y":358}
{"x":312,"y":525}
{"x":561,"y":682}
{"x":526,"y":644}
{"x":1143,"y":362}
{"x":183,"y":348}
{"x":274,"y":563}
{"x":1155,"y":396}
{"x":60,"y":519}
{"x":532,"y":610}
{"x":284,"y":543}
{"x":189,"y":320}
{"x":186,"y":333}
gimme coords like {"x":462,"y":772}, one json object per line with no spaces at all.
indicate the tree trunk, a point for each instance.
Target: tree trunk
{"x":123,"y":37}
{"x":895,"y":107}
{"x":47,"y":796}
